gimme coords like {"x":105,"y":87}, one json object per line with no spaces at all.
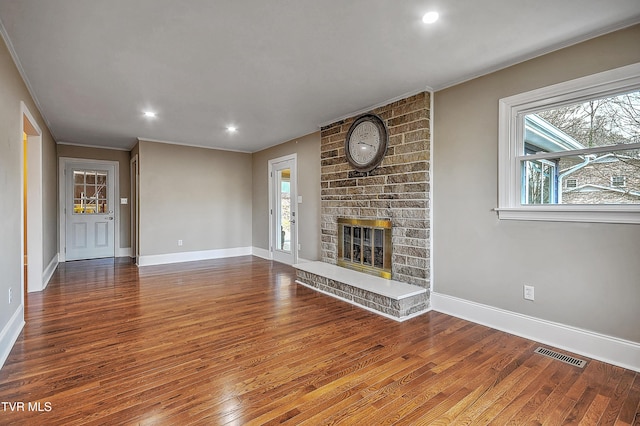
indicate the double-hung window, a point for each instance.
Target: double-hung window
{"x":571,"y":151}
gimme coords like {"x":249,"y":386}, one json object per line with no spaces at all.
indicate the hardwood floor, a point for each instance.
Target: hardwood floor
{"x":236,"y":341}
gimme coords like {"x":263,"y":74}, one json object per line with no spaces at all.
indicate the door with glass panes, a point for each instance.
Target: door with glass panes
{"x":283,"y":212}
{"x":89,"y":211}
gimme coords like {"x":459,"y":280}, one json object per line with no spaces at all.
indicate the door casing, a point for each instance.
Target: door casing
{"x":34,"y":217}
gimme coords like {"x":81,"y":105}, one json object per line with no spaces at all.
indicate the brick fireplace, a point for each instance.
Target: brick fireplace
{"x":398,"y":191}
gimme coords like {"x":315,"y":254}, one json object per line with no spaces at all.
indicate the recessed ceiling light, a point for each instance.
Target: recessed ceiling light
{"x":150,"y":114}
{"x":232,"y":129}
{"x":430,"y":17}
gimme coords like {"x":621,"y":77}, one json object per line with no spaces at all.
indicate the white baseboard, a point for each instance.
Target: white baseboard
{"x":190,"y":256}
{"x":10,"y":334}
{"x":124,"y":252}
{"x":49,"y":270}
{"x":604,"y":348}
{"x":302,"y":260}
{"x":260,"y":252}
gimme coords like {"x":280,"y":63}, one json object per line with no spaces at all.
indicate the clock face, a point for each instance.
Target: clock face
{"x":364,"y":142}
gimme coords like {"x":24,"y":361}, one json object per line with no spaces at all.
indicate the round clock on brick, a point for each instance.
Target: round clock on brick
{"x":366,"y":142}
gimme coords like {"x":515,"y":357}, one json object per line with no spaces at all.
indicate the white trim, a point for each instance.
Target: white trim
{"x":124,"y":252}
{"x":134,"y":209}
{"x":351,"y":302}
{"x":141,"y":139}
{"x":512,"y":109}
{"x":84,"y":145}
{"x":378,"y":105}
{"x":190,"y":256}
{"x":301,"y":260}
{"x":570,"y":215}
{"x":62,"y":191}
{"x":49,"y":270}
{"x":260,"y":252}
{"x":34,"y":225}
{"x":10,"y":334}
{"x":608,"y":349}
{"x":574,"y":152}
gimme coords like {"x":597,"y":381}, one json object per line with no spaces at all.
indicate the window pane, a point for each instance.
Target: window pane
{"x":89,"y":192}
{"x":78,"y":205}
{"x":540,"y":182}
{"x":78,"y":178}
{"x":90,"y":207}
{"x":604,"y":178}
{"x":284,"y":210}
{"x":607,"y":178}
{"x":78,"y":191}
{"x":598,"y":122}
{"x":101,"y":178}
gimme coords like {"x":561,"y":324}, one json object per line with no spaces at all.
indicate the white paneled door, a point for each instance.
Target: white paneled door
{"x":89,"y":211}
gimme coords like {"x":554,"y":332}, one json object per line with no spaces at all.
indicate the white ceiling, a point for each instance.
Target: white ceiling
{"x":277,"y":69}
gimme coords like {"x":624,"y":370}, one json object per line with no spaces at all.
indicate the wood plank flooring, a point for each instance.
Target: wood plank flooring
{"x":237,"y":342}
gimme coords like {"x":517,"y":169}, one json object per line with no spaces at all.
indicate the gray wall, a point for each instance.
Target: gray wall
{"x":585,"y":275}
{"x":13,"y":91}
{"x":200,"y":196}
{"x":123,"y":158}
{"x":307,"y":149}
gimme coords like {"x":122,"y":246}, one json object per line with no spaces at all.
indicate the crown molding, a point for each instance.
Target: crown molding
{"x":141,"y":139}
{"x":112,"y":148}
{"x":23,"y":75}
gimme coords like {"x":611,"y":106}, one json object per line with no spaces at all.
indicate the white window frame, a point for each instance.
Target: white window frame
{"x":511,"y":147}
{"x":618,"y":181}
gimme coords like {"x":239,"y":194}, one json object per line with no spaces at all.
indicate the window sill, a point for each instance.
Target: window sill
{"x":597,"y":214}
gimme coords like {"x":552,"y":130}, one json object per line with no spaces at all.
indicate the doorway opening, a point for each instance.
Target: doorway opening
{"x":32,"y":244}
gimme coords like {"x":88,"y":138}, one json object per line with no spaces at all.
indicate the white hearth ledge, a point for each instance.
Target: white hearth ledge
{"x":392,"y":289}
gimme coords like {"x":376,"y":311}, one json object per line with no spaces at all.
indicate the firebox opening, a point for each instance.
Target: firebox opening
{"x":365,"y":245}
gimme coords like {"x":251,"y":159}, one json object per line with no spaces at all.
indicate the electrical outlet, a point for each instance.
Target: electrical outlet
{"x":179,"y":243}
{"x":528,"y":292}
{"x":10,"y":295}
